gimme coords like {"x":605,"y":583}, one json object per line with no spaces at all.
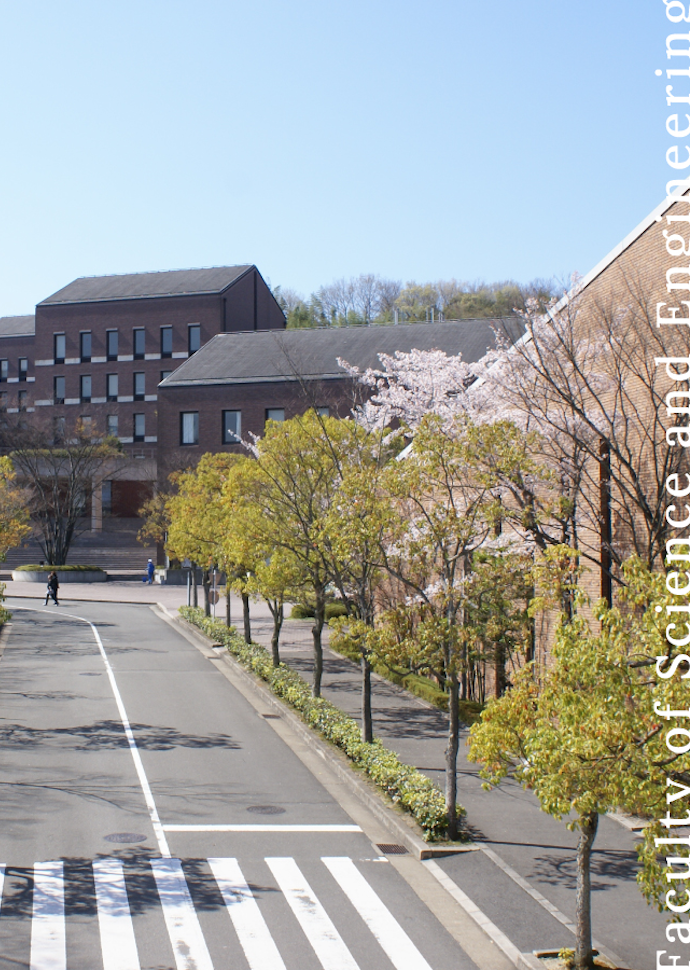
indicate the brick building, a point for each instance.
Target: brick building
{"x":239,"y":380}
{"x":97,"y":349}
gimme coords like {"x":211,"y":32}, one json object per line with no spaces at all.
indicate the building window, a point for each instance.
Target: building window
{"x":111,"y":344}
{"x":23,"y":368}
{"x":166,"y":341}
{"x":3,"y":400}
{"x":232,"y":427}
{"x":58,"y":390}
{"x":107,"y":498}
{"x":21,"y":400}
{"x":58,"y":348}
{"x":189,"y":428}
{"x":85,"y":346}
{"x":111,"y":425}
{"x":58,"y":430}
{"x":139,"y":427}
{"x":139,"y":342}
{"x":85,"y":387}
{"x":86,"y":426}
{"x":4,"y":370}
{"x":194,"y":338}
{"x":323,"y":412}
{"x":112,"y":387}
{"x":165,"y":373}
{"x":275,"y":414}
{"x":139,"y":386}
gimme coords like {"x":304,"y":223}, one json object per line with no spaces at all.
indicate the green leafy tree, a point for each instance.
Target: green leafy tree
{"x":583,"y":733}
{"x":291,"y":484}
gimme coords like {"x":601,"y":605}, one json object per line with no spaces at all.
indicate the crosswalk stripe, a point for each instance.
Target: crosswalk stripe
{"x":118,"y":945}
{"x":189,"y":946}
{"x":48,"y":945}
{"x":250,"y":926}
{"x":318,"y":928}
{"x":395,"y":942}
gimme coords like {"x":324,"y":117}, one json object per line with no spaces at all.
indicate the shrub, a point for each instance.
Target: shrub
{"x":49,"y":569}
{"x":405,"y":785}
{"x":302,"y":611}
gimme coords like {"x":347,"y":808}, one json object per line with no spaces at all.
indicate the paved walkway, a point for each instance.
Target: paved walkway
{"x":519,"y":842}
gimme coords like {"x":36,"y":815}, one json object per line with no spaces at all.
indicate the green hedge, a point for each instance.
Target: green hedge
{"x":301,"y":611}
{"x":67,"y":569}
{"x":405,"y":785}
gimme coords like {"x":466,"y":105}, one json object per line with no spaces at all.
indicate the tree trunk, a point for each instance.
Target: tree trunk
{"x":195,"y":589}
{"x":367,"y":725}
{"x":278,"y":612}
{"x":316,"y":630}
{"x":206,"y":582}
{"x":246,"y":619}
{"x":584,"y":958}
{"x":499,"y":669}
{"x":228,"y":617}
{"x":452,"y":754}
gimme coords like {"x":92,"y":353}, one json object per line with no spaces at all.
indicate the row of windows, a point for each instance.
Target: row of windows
{"x":22,"y":369}
{"x":112,"y":426}
{"x":112,"y":343}
{"x":112,"y":386}
{"x":231,"y":427}
{"x":22,"y":400}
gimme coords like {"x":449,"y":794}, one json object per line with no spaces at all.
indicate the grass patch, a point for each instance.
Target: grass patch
{"x":406,"y":786}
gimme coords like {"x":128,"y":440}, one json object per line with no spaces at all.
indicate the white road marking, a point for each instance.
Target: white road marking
{"x":2,"y":879}
{"x":48,"y":946}
{"x":118,"y":945}
{"x":318,"y":928}
{"x":394,"y":941}
{"x":250,"y":926}
{"x":261,"y":828}
{"x":184,"y":930}
{"x":134,"y":751}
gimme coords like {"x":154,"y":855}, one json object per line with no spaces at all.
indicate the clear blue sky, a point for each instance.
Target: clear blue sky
{"x":475,"y":139}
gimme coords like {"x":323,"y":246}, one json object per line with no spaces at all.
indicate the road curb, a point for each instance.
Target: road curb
{"x":405,"y":830}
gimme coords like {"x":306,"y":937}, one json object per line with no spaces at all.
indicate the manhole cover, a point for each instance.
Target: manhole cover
{"x":390,"y":848}
{"x":266,"y":810}
{"x":124,"y":837}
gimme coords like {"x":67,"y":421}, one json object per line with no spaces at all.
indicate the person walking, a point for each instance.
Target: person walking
{"x":53,"y":586}
{"x":150,"y":570}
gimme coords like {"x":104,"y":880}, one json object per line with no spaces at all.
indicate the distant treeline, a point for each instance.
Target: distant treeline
{"x":368,"y":299}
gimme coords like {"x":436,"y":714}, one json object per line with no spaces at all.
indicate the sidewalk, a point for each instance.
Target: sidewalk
{"x":523,"y":876}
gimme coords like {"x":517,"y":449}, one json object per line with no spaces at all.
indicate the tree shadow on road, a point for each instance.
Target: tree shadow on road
{"x":109,"y":734}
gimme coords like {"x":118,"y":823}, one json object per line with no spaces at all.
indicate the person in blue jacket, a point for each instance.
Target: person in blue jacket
{"x":150,"y":570}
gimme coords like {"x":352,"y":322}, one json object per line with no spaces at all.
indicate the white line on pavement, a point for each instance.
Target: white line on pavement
{"x":118,"y":945}
{"x":394,"y":941}
{"x":134,"y":751}
{"x":48,"y":946}
{"x":250,"y":926}
{"x":184,"y":930}
{"x":250,"y":827}
{"x":318,"y":928}
{"x":472,"y":910}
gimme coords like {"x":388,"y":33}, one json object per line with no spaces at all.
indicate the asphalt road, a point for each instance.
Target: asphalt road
{"x":142,"y":799}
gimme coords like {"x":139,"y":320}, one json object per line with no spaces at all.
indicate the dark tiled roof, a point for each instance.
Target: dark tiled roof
{"x":137,"y":286}
{"x":18,"y":326}
{"x":270,"y":355}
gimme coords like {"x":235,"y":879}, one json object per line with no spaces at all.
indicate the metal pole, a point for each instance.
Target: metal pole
{"x":189,"y":588}
{"x":215,"y":594}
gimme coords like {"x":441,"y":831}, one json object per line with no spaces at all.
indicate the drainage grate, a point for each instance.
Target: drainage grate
{"x":124,"y":837}
{"x":390,"y":848}
{"x":266,"y":810}
{"x":271,"y":717}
